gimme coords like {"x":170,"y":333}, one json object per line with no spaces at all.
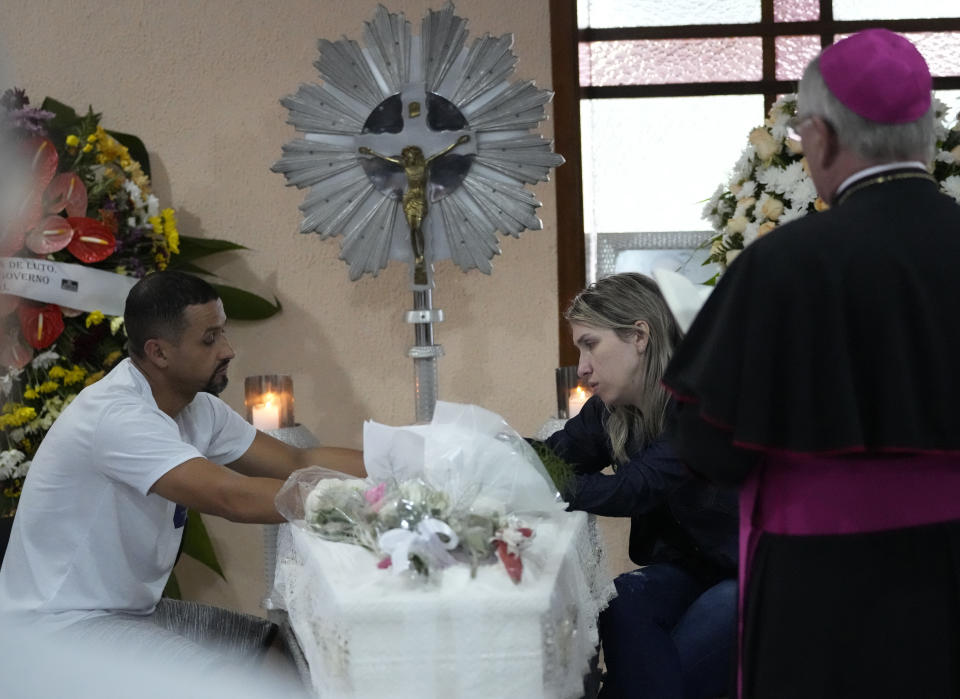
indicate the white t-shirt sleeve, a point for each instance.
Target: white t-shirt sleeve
{"x":216,"y":429}
{"x":136,"y":444}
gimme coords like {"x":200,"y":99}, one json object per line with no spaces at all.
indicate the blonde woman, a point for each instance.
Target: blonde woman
{"x":669,"y":633}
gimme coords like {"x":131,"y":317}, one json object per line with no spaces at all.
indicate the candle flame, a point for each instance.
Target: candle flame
{"x":580,"y":393}
{"x":267,"y":399}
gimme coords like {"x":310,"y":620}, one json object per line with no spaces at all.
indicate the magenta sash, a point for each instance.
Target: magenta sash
{"x":803,"y":494}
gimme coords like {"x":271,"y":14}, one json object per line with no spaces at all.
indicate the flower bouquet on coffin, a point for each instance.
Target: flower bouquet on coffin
{"x":463,"y":490}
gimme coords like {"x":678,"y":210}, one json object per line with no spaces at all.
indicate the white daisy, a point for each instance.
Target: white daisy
{"x":951,"y":186}
{"x":45,"y":360}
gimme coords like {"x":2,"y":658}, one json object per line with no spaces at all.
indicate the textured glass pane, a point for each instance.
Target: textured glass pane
{"x":939,"y":49}
{"x":894,"y":9}
{"x":942,"y":51}
{"x":796,"y":10}
{"x":654,"y":62}
{"x":793,"y":55}
{"x":658,"y":13}
{"x":651,"y":164}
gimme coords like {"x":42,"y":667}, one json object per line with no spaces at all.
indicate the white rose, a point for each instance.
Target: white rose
{"x":737,"y":224}
{"x":772,"y":208}
{"x":764,"y":143}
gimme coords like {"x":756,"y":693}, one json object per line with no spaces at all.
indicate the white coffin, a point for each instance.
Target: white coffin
{"x":367,"y":633}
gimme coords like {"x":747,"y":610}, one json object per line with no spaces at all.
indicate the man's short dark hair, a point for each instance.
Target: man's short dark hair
{"x":155,"y":306}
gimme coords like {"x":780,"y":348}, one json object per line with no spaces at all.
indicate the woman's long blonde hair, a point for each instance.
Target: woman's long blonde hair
{"x":617,"y":302}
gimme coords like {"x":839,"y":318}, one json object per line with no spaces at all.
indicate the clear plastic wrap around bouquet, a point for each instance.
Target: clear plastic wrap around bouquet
{"x":461,"y":490}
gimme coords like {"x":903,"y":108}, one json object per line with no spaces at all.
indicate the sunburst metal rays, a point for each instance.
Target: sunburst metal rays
{"x":388,"y":39}
{"x":442,"y":37}
{"x":374,"y":97}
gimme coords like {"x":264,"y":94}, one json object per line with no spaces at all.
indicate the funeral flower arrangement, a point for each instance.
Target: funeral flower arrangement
{"x":73,"y":195}
{"x":464,"y":490}
{"x":770,"y":184}
{"x":412,"y":526}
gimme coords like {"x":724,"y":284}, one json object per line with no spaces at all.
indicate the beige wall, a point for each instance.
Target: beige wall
{"x":200,"y":83}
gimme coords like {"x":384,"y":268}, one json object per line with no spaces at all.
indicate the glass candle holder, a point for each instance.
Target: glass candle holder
{"x":269,"y":401}
{"x":571,"y":393}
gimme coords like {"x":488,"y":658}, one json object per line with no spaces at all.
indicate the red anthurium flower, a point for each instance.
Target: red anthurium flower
{"x":66,"y":191}
{"x":41,"y":159}
{"x":24,"y":215}
{"x":92,"y":241}
{"x":41,"y":325}
{"x":10,"y":242}
{"x":52,"y":234}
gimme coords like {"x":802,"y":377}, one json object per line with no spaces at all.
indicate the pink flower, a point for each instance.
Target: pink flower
{"x":375,"y":494}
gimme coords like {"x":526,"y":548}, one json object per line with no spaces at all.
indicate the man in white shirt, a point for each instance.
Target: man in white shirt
{"x":102,"y":512}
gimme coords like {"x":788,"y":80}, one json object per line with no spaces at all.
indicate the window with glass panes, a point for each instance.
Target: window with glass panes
{"x":654,"y":100}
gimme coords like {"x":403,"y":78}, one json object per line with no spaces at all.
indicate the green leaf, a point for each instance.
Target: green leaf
{"x":561,"y":473}
{"x":243,"y":305}
{"x":189,"y":267}
{"x":135,"y":146}
{"x":197,"y":544}
{"x":65,"y":116}
{"x":191,"y":248}
{"x":172,"y":588}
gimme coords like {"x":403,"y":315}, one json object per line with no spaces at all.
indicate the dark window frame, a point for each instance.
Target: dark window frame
{"x":565,"y":37}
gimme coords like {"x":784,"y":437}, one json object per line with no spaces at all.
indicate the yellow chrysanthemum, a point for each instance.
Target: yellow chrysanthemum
{"x":139,"y":177}
{"x":157,"y":223}
{"x":30,"y":393}
{"x":72,"y":141}
{"x":13,"y":491}
{"x":20,"y":416}
{"x":109,"y":148}
{"x":48,"y":387}
{"x":170,"y":233}
{"x":161,"y":261}
{"x":94,"y":318}
{"x":56,"y":372}
{"x":115,"y":324}
{"x":93,"y":378}
{"x":112,"y":358}
{"x":75,"y":375}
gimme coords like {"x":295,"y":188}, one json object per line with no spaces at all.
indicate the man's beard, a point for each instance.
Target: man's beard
{"x":217,"y":381}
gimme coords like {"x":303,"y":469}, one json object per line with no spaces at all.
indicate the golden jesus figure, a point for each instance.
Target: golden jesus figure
{"x":415,"y":167}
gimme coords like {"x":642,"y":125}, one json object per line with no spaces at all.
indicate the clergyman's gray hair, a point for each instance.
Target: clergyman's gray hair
{"x":871,"y":140}
{"x":617,"y":302}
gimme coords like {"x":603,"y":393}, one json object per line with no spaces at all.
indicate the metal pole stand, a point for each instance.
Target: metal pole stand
{"x":424,"y":353}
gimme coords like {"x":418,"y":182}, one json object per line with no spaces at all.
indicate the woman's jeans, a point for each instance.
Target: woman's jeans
{"x":668,"y":636}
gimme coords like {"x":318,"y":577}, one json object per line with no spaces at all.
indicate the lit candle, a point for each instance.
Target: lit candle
{"x":576,"y":400}
{"x":266,"y":415}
